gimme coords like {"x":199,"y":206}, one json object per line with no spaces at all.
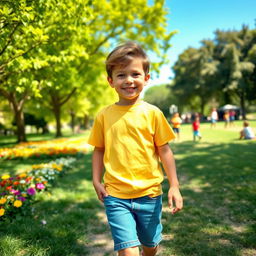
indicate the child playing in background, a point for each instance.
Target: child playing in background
{"x":214,"y":117}
{"x":129,"y":137}
{"x":176,"y":123}
{"x":226,"y":119}
{"x":247,"y":132}
{"x":196,"y":129}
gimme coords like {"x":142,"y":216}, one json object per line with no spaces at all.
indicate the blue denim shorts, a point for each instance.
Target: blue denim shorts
{"x":134,"y":221}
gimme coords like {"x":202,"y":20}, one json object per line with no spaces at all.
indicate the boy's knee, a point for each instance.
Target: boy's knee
{"x":132,"y":251}
{"x":150,"y":251}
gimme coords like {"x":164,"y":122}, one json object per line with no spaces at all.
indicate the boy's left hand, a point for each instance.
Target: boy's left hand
{"x":175,"y":200}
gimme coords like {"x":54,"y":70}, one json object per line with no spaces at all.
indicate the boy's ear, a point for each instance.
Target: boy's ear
{"x":110,"y":81}
{"x":147,"y":78}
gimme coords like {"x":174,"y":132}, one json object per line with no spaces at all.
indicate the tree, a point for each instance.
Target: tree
{"x":194,"y":82}
{"x":160,"y":96}
{"x":50,"y":50}
{"x":236,"y":67}
{"x":19,"y":36}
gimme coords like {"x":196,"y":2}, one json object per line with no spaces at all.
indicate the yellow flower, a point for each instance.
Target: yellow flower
{"x":3,"y":200}
{"x":58,"y":167}
{"x":5,"y":177}
{"x":23,"y":175}
{"x":2,"y":211}
{"x":17,"y":203}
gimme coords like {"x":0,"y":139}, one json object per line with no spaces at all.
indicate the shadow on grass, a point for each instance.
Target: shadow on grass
{"x":218,"y":186}
{"x":61,"y":222}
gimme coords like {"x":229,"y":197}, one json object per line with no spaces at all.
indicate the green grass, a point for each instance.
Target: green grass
{"x":218,"y":182}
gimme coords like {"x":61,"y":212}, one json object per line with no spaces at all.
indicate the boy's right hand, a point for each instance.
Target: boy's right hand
{"x":101,"y":191}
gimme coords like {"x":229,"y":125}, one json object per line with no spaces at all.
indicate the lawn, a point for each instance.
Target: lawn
{"x":218,"y":182}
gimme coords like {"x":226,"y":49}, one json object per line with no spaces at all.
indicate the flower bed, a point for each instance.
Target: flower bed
{"x":17,"y":193}
{"x":37,"y":149}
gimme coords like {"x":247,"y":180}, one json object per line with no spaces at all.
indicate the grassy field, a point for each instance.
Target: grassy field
{"x":218,"y":182}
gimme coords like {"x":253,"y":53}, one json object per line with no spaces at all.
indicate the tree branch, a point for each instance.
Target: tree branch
{"x":10,"y":38}
{"x":63,"y":101}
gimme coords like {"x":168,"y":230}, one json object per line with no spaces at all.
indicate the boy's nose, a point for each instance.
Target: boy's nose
{"x":129,"y":79}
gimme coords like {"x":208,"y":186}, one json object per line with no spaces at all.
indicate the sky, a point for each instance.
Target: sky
{"x":197,"y":20}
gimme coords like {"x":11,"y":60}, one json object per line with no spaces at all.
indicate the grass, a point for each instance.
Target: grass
{"x":218,"y":182}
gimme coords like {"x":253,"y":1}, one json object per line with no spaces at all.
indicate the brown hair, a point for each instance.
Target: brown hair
{"x":124,"y":54}
{"x":246,"y":123}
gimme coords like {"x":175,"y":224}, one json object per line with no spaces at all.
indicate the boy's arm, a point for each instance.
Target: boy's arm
{"x":97,"y":172}
{"x":168,"y":162}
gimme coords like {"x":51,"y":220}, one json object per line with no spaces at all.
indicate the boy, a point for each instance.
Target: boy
{"x":196,"y":128}
{"x":176,"y":123}
{"x":247,"y":132}
{"x":129,"y":137}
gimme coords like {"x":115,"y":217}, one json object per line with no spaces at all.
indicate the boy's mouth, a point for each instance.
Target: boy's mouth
{"x":129,"y":89}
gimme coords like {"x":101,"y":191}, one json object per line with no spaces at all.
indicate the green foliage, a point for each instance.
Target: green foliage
{"x":222,"y":69}
{"x":161,"y":97}
{"x":49,"y":50}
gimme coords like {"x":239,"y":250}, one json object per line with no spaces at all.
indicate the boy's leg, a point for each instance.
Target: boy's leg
{"x":133,"y":251}
{"x":149,"y":251}
{"x":148,"y":213}
{"x":122,"y":224}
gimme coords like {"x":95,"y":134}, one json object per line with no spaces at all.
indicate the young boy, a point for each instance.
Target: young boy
{"x":129,"y":137}
{"x":196,"y":128}
{"x":176,"y":123}
{"x":247,"y":132}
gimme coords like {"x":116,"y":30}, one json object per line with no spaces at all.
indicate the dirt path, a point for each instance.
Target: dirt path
{"x":100,"y":244}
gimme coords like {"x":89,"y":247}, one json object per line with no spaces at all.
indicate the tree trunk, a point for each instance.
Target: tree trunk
{"x":72,"y":114}
{"x":57,"y":111}
{"x":17,"y":106}
{"x":19,"y":118}
{"x":86,"y":121}
{"x":57,"y":102}
{"x":242,"y":104}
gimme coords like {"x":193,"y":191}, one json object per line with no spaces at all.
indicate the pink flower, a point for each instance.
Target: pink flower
{"x":31,"y":191}
{"x":21,"y":198}
{"x":15,"y":192}
{"x":40,"y":186}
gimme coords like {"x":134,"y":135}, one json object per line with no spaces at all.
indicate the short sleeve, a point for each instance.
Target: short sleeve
{"x":163,"y":131}
{"x":96,"y":137}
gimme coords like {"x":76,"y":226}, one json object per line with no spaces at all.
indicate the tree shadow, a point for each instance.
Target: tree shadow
{"x":218,"y":185}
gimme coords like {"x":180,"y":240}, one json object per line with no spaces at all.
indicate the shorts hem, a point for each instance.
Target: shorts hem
{"x":125,"y":245}
{"x":152,"y":244}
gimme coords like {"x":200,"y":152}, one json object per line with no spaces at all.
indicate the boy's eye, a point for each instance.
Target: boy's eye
{"x":136,"y":74}
{"x":120,"y":75}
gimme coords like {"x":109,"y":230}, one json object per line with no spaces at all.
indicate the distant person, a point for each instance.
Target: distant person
{"x":247,"y":132}
{"x":129,"y":139}
{"x":232,"y":115}
{"x":226,"y":119}
{"x":176,"y":122}
{"x":196,"y":129}
{"x":214,"y":117}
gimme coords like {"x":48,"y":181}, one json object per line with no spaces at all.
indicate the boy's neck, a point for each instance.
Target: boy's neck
{"x":123,"y":102}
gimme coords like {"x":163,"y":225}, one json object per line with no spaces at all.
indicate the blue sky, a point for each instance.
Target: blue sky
{"x":198,"y":19}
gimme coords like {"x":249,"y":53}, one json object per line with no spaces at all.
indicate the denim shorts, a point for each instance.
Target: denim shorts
{"x":134,"y":221}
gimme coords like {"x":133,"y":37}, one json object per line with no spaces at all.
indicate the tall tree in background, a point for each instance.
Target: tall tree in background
{"x":234,"y":48}
{"x":223,"y":68}
{"x":48,"y":49}
{"x":19,"y":37}
{"x":194,"y":82}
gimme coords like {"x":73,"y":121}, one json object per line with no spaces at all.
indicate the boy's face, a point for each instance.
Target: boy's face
{"x":129,"y":81}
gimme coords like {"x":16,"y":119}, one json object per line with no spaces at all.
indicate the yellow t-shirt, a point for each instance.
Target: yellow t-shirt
{"x":176,"y":122}
{"x":129,"y":135}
